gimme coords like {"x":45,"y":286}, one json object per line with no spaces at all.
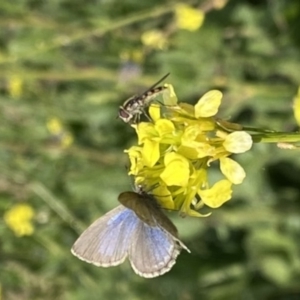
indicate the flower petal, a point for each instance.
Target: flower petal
{"x":150,"y":153}
{"x":169,"y":95}
{"x":164,"y":127}
{"x":164,"y":197}
{"x":176,"y":170}
{"x":217,"y":195}
{"x":208,"y":105}
{"x":136,"y":159}
{"x":232,"y":170}
{"x":238,"y":142}
{"x":154,"y":111}
{"x":145,"y":131}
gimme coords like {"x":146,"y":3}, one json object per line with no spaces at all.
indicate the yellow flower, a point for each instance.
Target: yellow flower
{"x":296,"y":107}
{"x":219,"y":4}
{"x":176,"y":150}
{"x":135,"y":55}
{"x":57,"y":129}
{"x":67,"y":140}
{"x":155,"y":39}
{"x":151,"y":136}
{"x":15,"y":86}
{"x":54,"y":126}
{"x":188,"y":17}
{"x":19,"y":219}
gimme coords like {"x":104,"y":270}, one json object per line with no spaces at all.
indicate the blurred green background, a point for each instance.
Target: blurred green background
{"x":66,"y":66}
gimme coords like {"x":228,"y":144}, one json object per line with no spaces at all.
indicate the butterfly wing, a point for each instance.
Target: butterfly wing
{"x":106,"y":242}
{"x":153,"y":251}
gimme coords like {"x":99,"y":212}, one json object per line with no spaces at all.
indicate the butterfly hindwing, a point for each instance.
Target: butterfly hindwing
{"x":153,"y":251}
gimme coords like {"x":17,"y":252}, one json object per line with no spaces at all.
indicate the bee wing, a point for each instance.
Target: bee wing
{"x":106,"y":242}
{"x":155,"y":84}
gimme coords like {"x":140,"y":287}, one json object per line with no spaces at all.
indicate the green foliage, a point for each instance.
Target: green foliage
{"x":76,"y":62}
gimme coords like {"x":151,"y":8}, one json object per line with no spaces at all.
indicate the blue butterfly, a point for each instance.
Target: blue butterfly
{"x":136,"y":229}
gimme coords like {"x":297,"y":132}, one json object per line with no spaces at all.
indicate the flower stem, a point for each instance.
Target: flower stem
{"x":262,"y":135}
{"x":276,"y":137}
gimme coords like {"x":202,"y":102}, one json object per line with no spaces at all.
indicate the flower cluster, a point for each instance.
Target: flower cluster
{"x":19,"y":219}
{"x":176,"y":149}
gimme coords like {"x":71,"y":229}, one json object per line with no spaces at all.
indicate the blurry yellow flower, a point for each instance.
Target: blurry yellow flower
{"x":154,"y":39}
{"x":67,"y":140}
{"x":15,"y":86}
{"x":176,"y":150}
{"x":135,"y":55}
{"x":19,"y":219}
{"x":54,"y":126}
{"x":124,"y":55}
{"x":57,"y":129}
{"x":219,"y":4}
{"x":296,"y":107}
{"x":188,"y":17}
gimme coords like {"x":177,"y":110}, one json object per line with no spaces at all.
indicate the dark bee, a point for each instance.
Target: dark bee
{"x":133,"y":107}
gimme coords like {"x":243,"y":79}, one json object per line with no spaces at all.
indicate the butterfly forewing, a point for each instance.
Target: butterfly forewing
{"x":106,"y":242}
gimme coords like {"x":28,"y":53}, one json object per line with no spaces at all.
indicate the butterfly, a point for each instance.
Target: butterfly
{"x":137,"y":229}
{"x":133,"y":107}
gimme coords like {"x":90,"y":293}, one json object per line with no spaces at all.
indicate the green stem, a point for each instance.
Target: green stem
{"x":262,"y":135}
{"x":56,"y":204}
{"x":111,"y":26}
{"x":276,"y":137}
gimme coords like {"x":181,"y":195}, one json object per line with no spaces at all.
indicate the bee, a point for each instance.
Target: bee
{"x":133,"y":107}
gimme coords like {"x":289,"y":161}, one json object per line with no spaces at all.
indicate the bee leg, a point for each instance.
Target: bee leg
{"x":147,"y":116}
